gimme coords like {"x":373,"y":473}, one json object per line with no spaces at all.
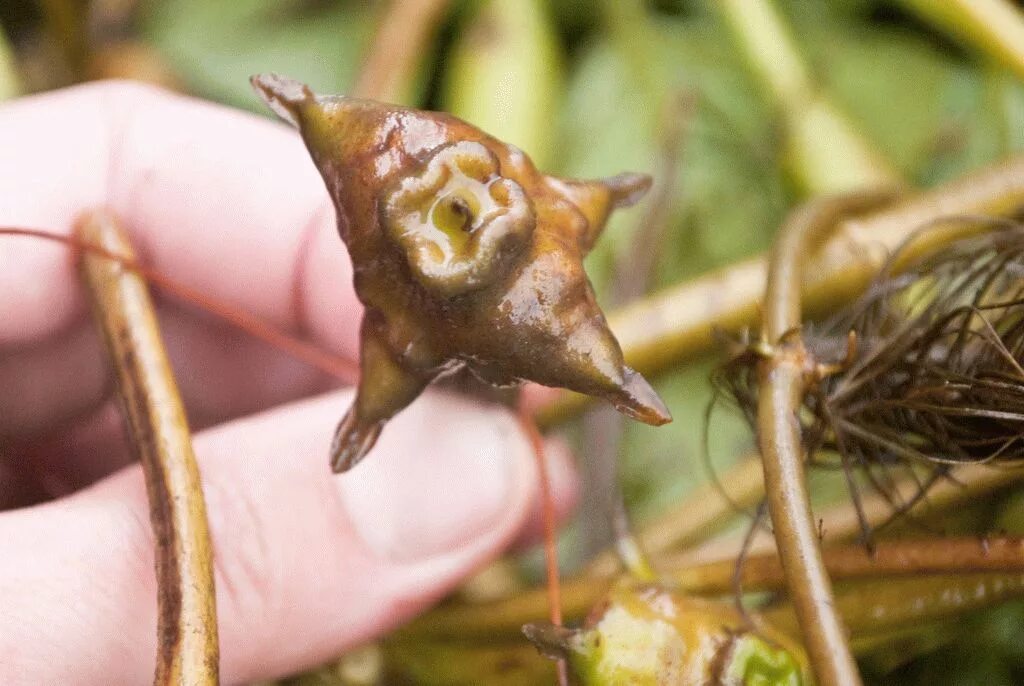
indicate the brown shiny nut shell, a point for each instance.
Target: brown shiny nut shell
{"x":464,"y":254}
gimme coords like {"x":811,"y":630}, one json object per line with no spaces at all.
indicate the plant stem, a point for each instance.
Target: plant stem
{"x":810,"y":590}
{"x":995,"y":28}
{"x":682,"y":321}
{"x":903,"y":557}
{"x":187,"y":612}
{"x":840,"y":522}
{"x":781,"y":380}
{"x":920,"y":559}
{"x":390,"y":67}
{"x":824,"y":151}
{"x":706,"y":510}
{"x":885,"y":605}
{"x":694,"y":517}
{"x":504,"y":74}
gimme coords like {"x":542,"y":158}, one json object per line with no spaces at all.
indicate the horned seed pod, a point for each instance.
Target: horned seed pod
{"x":464,"y":255}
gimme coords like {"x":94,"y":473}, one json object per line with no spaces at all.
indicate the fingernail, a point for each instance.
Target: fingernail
{"x":443,"y":473}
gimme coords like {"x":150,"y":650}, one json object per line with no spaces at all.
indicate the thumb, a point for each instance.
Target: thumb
{"x":307,"y":563}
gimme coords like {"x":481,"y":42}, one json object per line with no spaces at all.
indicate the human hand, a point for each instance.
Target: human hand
{"x":306,"y":564}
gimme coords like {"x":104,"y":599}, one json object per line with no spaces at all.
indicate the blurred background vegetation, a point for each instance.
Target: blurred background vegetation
{"x":873,"y":90}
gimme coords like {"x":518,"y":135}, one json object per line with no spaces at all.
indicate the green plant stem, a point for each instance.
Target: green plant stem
{"x":187,"y":613}
{"x":770,"y":51}
{"x":629,"y":26}
{"x":504,"y":74}
{"x":824,"y":151}
{"x":995,"y":28}
{"x":841,"y":523}
{"x":682,"y":321}
{"x":392,"y":63}
{"x":700,"y":515}
{"x":782,"y":378}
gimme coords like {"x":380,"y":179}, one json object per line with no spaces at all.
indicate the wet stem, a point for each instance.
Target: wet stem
{"x":155,"y":416}
{"x":782,"y":378}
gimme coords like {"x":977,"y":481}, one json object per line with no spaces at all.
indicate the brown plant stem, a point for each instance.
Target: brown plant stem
{"x":396,"y":52}
{"x":875,"y":610}
{"x":782,"y":386}
{"x":922,"y":560}
{"x":782,"y":378}
{"x":187,"y":615}
{"x":689,"y":520}
{"x":682,"y":321}
{"x":764,"y":572}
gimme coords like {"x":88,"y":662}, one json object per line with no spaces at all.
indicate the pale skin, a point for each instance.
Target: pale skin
{"x":307,"y":563}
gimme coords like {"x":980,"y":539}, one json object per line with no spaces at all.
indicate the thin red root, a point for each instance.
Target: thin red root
{"x":343,"y":369}
{"x":550,"y":529}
